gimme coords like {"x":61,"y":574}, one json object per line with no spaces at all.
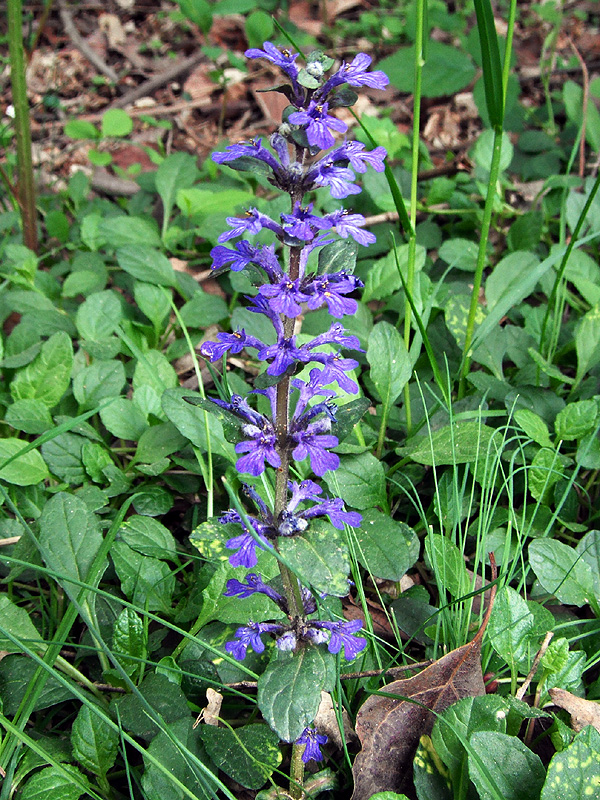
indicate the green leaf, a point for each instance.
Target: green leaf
{"x":319,"y":557}
{"x":156,"y":694}
{"x":361,"y":481}
{"x":16,"y":621}
{"x":203,"y":310}
{"x":153,"y":369}
{"x":490,"y":62}
{"x":339,"y":256}
{"x":193,"y":423}
{"x":47,"y":377}
{"x":561,"y":571}
{"x":448,"y":564}
{"x":533,"y":425}
{"x":148,"y":537}
{"x":587,"y":342}
{"x":385,"y":547}
{"x":204,"y":202}
{"x":259,"y":28}
{"x":197,"y":11}
{"x":99,"y":381}
{"x":452,"y":731}
{"x":123,"y":419}
{"x":81,"y":129}
{"x":289,"y":690}
{"x":130,"y":641}
{"x":515,"y":632}
{"x":248,"y":754}
{"x":95,"y":743}
{"x":446,"y":71}
{"x":383,"y":278}
{"x":153,"y":301}
{"x":576,"y":419}
{"x":63,"y":455}
{"x":146,"y":581}
{"x":483,"y":151}
{"x":69,"y":539}
{"x":512,"y":771}
{"x":99,"y":316}
{"x":460,"y":443}
{"x":460,"y":254}
{"x":16,"y":674}
{"x":544,"y":472}
{"x":508,"y":275}
{"x":158,"y":442}
{"x":29,"y":416}
{"x":390,"y":363}
{"x":24,"y":470}
{"x":116,"y":122}
{"x":177,"y":171}
{"x":177,"y":747}
{"x":51,"y":783}
{"x":574,"y":772}
{"x":347,"y":416}
{"x":146,"y":264}
{"x":128,"y":231}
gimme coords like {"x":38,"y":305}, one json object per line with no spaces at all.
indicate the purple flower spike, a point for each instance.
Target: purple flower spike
{"x":260,"y":448}
{"x":314,"y":445}
{"x":285,"y":297}
{"x":342,"y":635}
{"x":284,"y":355}
{"x":355,"y":73}
{"x":313,"y":742}
{"x":254,"y":149}
{"x":283,"y":59}
{"x":329,"y":289}
{"x":239,"y":258}
{"x":347,"y":224}
{"x":254,"y":584}
{"x":339,"y":180}
{"x":249,"y":636}
{"x":318,"y":124}
{"x":252,"y":223}
{"x":235,"y":342}
{"x":358,"y":158}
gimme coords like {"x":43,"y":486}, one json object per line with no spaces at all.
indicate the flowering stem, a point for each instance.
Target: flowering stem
{"x":290,"y":582}
{"x":297,"y":772}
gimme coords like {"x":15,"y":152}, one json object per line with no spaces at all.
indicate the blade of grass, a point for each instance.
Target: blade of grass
{"x":490,"y":62}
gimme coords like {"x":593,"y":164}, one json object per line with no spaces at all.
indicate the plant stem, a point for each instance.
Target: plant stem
{"x":26,"y":185}
{"x":297,"y":772}
{"x":485,"y":230}
{"x":412,"y":241}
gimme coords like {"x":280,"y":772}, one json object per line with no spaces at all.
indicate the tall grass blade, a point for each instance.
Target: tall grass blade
{"x":490,"y":61}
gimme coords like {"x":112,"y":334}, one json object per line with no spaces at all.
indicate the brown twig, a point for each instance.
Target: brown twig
{"x":586,"y":95}
{"x":82,"y":45}
{"x":156,"y":81}
{"x":9,"y":540}
{"x":536,"y":662}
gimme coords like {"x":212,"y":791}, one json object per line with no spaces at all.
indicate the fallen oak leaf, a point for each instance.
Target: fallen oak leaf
{"x":583,"y":712}
{"x":391,"y":723}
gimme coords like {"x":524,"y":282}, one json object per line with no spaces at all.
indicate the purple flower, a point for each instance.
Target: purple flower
{"x":335,"y":368}
{"x":254,"y":584}
{"x":329,"y":289}
{"x":254,"y":149}
{"x":334,"y":509}
{"x":239,"y":258}
{"x":355,"y":154}
{"x":312,"y":741}
{"x":283,"y":59}
{"x":252,"y":223}
{"x":260,"y":447}
{"x":235,"y":342}
{"x":301,"y":221}
{"x":287,"y":642}
{"x":284,"y":355}
{"x":355,"y":73}
{"x":285,"y":297}
{"x":335,"y":335}
{"x":339,"y":180}
{"x":249,"y":636}
{"x":313,"y":444}
{"x":318,"y":124}
{"x":342,"y":635}
{"x":347,"y":224}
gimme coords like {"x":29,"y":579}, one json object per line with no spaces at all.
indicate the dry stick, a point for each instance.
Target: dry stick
{"x":586,"y":94}
{"x":82,"y":45}
{"x":536,"y":661}
{"x":154,"y":83}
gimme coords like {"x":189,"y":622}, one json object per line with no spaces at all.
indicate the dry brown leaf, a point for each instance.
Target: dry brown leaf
{"x":583,"y":712}
{"x":210,"y":714}
{"x":326,"y":722}
{"x":389,"y":728}
{"x":110,"y":24}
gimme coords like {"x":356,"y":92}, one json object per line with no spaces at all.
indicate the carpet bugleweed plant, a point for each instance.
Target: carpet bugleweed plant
{"x":301,"y":420}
